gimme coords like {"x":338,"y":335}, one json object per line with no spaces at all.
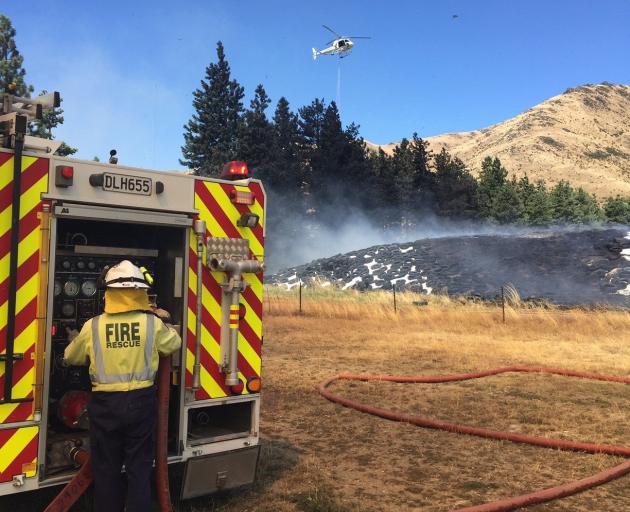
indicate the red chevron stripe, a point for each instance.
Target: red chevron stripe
{"x":216,"y":211}
{"x":22,"y":367}
{"x":30,"y":176}
{"x":22,"y":321}
{"x":211,"y":366}
{"x":252,"y":338}
{"x":4,"y":157}
{"x":26,"y":455}
{"x":23,"y":412}
{"x":253,"y":301}
{"x":258,"y":193}
{"x":25,"y":271}
{"x":28,"y":224}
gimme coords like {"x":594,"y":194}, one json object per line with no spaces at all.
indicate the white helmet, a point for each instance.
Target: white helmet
{"x":125,"y":275}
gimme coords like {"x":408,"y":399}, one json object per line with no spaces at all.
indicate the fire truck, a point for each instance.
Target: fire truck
{"x":202,"y":240}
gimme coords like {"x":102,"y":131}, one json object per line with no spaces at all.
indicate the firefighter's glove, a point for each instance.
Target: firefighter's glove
{"x":162,"y":314}
{"x":72,"y":333}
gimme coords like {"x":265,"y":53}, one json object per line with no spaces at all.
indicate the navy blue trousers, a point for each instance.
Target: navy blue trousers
{"x":122,"y":431}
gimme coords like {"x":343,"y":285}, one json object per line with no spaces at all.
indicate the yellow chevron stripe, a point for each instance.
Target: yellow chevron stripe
{"x":24,"y":295}
{"x":253,"y":320}
{"x":204,"y":214}
{"x":221,"y":197}
{"x":255,"y":284}
{"x":6,"y":173}
{"x":207,"y":382}
{"x":32,"y":197}
{"x":27,"y":247}
{"x":20,"y":390}
{"x":24,"y":341}
{"x":248,"y":353}
{"x":15,"y":445}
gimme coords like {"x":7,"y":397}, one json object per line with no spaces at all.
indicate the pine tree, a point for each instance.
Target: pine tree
{"x":617,"y":209}
{"x":455,"y":188}
{"x":257,"y":136}
{"x":212,"y":136}
{"x":287,"y":173}
{"x":506,"y":205}
{"x":11,"y":71}
{"x":491,"y":178}
{"x":563,"y":203}
{"x":587,"y":208}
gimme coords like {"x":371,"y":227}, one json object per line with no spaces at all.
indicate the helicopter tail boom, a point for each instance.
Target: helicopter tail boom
{"x":315,"y":54}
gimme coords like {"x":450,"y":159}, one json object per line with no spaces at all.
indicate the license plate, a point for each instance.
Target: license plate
{"x":127,"y":184}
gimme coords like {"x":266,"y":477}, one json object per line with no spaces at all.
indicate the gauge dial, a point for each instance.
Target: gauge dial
{"x":58,"y":288}
{"x":88,"y":288}
{"x":81,"y":265}
{"x":71,"y":288}
{"x":91,"y":265}
{"x":66,"y":264}
{"x":67,"y":309}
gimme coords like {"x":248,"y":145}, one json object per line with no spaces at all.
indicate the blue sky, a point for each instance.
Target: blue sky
{"x":126,"y":70}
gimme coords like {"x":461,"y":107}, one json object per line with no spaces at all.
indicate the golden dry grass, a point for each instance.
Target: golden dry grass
{"x":328,"y":458}
{"x":320,"y":457}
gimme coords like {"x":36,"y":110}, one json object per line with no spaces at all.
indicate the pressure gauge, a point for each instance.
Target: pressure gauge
{"x":88,"y":288}
{"x":58,"y":288}
{"x":67,"y":309}
{"x":71,"y":288}
{"x":91,"y":265}
{"x":66,"y":264}
{"x":81,"y":265}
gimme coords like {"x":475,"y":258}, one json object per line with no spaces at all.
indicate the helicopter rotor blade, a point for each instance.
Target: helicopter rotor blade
{"x":331,"y":30}
{"x":358,"y":37}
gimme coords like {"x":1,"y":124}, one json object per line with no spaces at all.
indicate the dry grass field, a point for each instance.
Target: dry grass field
{"x":321,"y":457}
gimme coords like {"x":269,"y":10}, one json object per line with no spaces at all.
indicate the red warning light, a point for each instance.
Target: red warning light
{"x":67,"y":172}
{"x":235,"y":170}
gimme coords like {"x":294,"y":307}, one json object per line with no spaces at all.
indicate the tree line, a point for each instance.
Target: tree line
{"x":317,"y":169}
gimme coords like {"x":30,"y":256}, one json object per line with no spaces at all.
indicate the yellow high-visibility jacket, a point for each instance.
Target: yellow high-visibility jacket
{"x":122,"y":349}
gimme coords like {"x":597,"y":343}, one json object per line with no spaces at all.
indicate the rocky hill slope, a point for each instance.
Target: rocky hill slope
{"x":582,"y":136}
{"x":566,"y":267}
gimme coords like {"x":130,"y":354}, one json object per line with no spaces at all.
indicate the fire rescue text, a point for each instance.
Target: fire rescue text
{"x":119,"y":335}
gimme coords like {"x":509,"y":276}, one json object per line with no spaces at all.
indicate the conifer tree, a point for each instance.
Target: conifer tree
{"x":11,"y":71}
{"x":257,"y":136}
{"x":506,"y":205}
{"x":617,"y":209}
{"x":287,"y":172}
{"x":491,"y":178}
{"x":212,"y":136}
{"x":455,"y":188}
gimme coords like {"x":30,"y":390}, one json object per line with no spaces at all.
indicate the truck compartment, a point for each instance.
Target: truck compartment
{"x":80,"y":250}
{"x":220,"y":422}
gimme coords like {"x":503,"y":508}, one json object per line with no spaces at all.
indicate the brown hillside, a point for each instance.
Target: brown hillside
{"x":582,"y":136}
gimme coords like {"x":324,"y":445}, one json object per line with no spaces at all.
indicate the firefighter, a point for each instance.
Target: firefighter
{"x":122,"y":347}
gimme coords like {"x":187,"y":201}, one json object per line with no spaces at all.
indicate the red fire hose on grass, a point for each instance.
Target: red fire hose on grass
{"x":83,"y":478}
{"x":515,"y":502}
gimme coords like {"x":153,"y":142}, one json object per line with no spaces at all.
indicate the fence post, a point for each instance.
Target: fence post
{"x":503,"y":301}
{"x":394,"y":289}
{"x":300,"y":295}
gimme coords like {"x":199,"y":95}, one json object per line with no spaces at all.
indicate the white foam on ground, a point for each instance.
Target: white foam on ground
{"x":376,"y":278}
{"x":370,"y":266}
{"x":426,"y":288}
{"x":406,"y":250}
{"x":356,"y":280}
{"x":352,"y":257}
{"x":375,"y":286}
{"x":367,"y":255}
{"x":413,"y":268}
{"x":291,"y":278}
{"x":404,"y":278}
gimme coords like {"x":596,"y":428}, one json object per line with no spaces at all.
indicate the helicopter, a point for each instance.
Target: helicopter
{"x":341,"y":45}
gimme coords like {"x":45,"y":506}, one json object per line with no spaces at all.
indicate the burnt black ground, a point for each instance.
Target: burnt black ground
{"x":566,"y":267}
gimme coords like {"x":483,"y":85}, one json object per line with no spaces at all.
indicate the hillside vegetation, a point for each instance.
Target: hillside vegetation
{"x":581,"y":136}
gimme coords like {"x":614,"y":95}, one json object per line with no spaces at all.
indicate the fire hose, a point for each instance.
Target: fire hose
{"x":83,"y":478}
{"x":537,"y":497}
